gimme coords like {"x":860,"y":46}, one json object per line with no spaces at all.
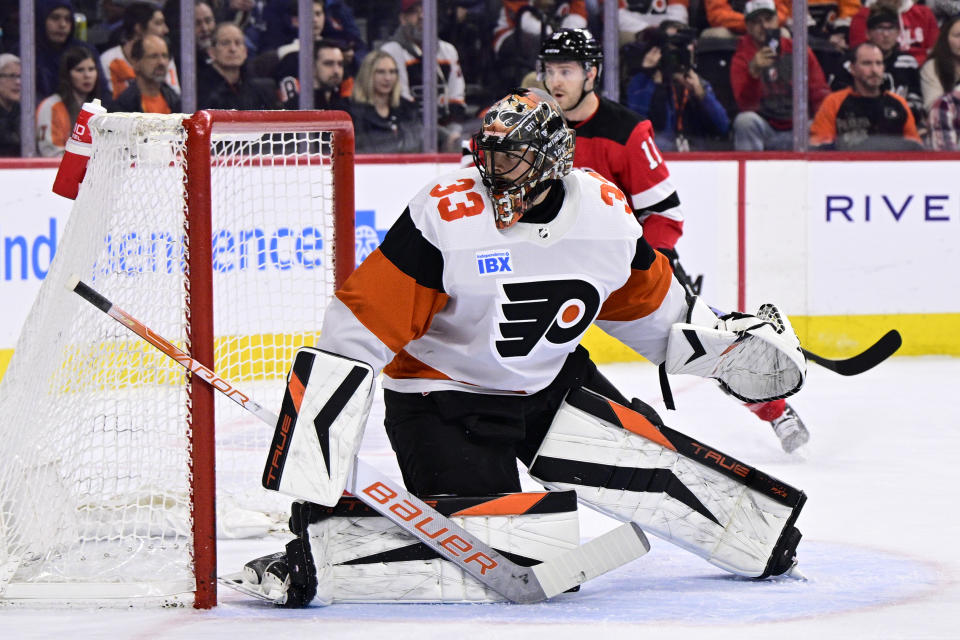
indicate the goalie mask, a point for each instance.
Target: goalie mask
{"x":523,"y":144}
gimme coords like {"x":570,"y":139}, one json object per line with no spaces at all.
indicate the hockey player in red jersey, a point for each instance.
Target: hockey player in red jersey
{"x":616,"y":143}
{"x":473,"y":307}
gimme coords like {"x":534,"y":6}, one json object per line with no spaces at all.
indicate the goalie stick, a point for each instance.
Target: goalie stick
{"x":516,"y":583}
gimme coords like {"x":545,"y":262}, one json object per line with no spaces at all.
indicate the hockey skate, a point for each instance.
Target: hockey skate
{"x":790,"y":429}
{"x":265,"y":578}
{"x":270,"y":577}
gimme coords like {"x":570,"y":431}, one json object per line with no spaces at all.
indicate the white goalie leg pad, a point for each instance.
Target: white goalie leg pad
{"x":755,"y":358}
{"x":734,"y":516}
{"x":361,"y":556}
{"x":320,"y":426}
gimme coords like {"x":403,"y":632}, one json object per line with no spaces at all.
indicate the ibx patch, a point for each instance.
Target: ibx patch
{"x":492,"y":262}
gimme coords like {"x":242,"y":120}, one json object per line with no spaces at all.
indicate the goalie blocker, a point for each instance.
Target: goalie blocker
{"x":630,"y":466}
{"x":320,"y":426}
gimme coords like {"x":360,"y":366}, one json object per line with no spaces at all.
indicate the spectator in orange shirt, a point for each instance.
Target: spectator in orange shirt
{"x":78,"y":82}
{"x":902,"y":74}
{"x":865,"y":117}
{"x":149,"y":93}
{"x":139,"y":19}
{"x":727,"y":18}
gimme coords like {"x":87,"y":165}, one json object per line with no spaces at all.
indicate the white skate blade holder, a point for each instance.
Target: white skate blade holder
{"x":236,"y":582}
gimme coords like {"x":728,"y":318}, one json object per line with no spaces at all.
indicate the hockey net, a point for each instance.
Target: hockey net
{"x":225,"y":232}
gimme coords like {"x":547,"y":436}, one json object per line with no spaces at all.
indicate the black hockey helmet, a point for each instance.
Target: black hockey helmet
{"x":576,"y":45}
{"x":571,"y":45}
{"x":528,"y":131}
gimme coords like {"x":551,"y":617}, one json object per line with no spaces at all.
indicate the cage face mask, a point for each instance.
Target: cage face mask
{"x":524,"y":143}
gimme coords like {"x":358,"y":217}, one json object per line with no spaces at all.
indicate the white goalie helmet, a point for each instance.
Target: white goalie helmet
{"x":524,"y":143}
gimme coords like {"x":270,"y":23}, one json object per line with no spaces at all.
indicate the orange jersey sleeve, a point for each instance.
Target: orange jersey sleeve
{"x":823,"y":130}
{"x":121,"y":74}
{"x":644,"y":290}
{"x":721,"y":14}
{"x":378,"y":285}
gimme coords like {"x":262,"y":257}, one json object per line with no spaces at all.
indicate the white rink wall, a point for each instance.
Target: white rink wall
{"x":854,"y":237}
{"x":845,"y":247}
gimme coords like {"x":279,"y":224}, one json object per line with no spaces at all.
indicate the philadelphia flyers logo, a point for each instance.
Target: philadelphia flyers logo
{"x":558,"y":311}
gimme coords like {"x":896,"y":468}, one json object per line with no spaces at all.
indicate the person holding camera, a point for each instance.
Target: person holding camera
{"x":681,"y":105}
{"x":761,"y":75}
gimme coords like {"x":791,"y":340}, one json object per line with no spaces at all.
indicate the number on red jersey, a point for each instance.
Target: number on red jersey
{"x":653,"y":154}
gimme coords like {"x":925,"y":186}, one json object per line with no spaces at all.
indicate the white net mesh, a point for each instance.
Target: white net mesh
{"x":95,"y":481}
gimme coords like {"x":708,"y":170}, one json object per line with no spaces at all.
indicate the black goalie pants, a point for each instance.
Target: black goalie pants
{"x":467,"y":444}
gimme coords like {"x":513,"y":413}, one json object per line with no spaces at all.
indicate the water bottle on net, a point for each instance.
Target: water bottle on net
{"x":73,"y":165}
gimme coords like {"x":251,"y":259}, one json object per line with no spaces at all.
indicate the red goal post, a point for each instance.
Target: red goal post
{"x":200,"y":129}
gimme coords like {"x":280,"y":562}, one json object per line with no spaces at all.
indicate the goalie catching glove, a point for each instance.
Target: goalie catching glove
{"x":755,"y":358}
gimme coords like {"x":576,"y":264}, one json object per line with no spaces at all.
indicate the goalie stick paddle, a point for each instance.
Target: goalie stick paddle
{"x":514,"y":582}
{"x":863,"y":361}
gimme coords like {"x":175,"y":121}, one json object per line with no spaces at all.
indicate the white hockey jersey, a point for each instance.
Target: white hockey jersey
{"x":448,"y":302}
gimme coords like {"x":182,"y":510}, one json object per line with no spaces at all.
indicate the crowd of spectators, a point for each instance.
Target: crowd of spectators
{"x":708,"y":74}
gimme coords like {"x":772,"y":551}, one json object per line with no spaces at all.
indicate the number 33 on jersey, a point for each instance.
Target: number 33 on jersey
{"x":448,"y":301}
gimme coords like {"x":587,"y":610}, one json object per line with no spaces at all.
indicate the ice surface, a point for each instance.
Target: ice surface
{"x":880,"y":538}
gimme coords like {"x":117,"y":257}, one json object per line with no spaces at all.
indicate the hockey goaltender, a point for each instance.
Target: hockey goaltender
{"x":473,"y":307}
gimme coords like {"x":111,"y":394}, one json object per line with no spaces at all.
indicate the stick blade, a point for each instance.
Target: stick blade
{"x":864,"y":361}
{"x":87,"y":292}
{"x":591,"y":559}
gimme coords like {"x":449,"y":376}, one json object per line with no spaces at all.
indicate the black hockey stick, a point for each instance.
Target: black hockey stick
{"x":863,"y":361}
{"x":491,"y":568}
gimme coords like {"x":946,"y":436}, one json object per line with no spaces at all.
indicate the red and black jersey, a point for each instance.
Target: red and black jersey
{"x":618,"y":144}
